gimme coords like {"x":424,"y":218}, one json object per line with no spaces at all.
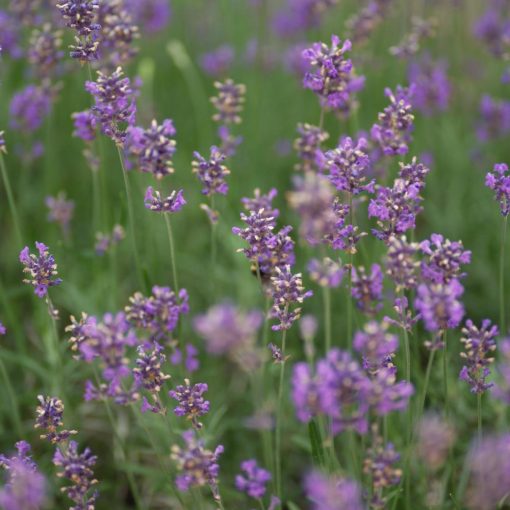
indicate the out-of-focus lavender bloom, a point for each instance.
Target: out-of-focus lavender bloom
{"x":499,"y":181}
{"x":211,"y":173}
{"x":405,"y":319}
{"x":114,"y":103}
{"x":192,"y":404}
{"x":401,"y":263}
{"x":188,"y":358}
{"x":326,"y":272}
{"x":9,"y":36}
{"x":332,"y":76}
{"x":148,"y":375}
{"x":153,"y":147}
{"x":367,"y":289}
{"x":443,"y":259}
{"x":386,"y":394}
{"x":41,"y":269}
{"x":493,"y":29}
{"x":262,"y":202}
{"x":217,"y":63}
{"x":85,"y":125}
{"x":229,"y":142}
{"x":434,"y":438}
{"x":393,"y":132}
{"x":77,"y":468}
{"x":494,"y":121}
{"x":50,"y":418}
{"x":439,"y":305}
{"x":501,"y":390}
{"x":305,"y":392}
{"x":25,"y":486}
{"x":151,"y":15}
{"x":60,"y":211}
{"x":198,"y":466}
{"x":159,"y":313}
{"x":229,"y":102}
{"x":254,"y":479}
{"x":489,"y":467}
{"x":287,"y":291}
{"x":3,"y":329}
{"x":410,"y":44}
{"x":431,"y":85}
{"x":105,"y":241}
{"x":293,"y":59}
{"x":308,"y":147}
{"x":361,"y":25}
{"x":344,"y":237}
{"x":348,"y":165}
{"x":376,"y":346}
{"x":277,"y":354}
{"x":170,"y":204}
{"x":44,"y":52}
{"x":81,"y":16}
{"x":479,"y":345}
{"x":29,"y":107}
{"x":332,"y":493}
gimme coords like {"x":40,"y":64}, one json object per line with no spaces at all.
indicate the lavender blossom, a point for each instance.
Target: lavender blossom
{"x":50,"y":413}
{"x":229,"y":102}
{"x":218,"y":62}
{"x":410,"y":44}
{"x":287,"y":291}
{"x":305,"y":392}
{"x":499,"y":181}
{"x":170,"y":204}
{"x":41,"y":269}
{"x":106,"y":241}
{"x":494,"y":121}
{"x":186,"y":357}
{"x":3,"y":329}
{"x":85,"y":124}
{"x":367,"y":288}
{"x":277,"y":354}
{"x":393,"y":132}
{"x":192,"y":404}
{"x":198,"y":466}
{"x":44,"y":52}
{"x":325,"y":272}
{"x":30,"y":107}
{"x":386,"y":394}
{"x":151,"y":15}
{"x":401,"y":263}
{"x":60,"y":211}
{"x":308,"y":147}
{"x":479,"y":344}
{"x":332,"y":493}
{"x":254,"y":479}
{"x":434,"y":437}
{"x":262,"y":202}
{"x":362,"y":24}
{"x":493,"y":29}
{"x":211,"y":173}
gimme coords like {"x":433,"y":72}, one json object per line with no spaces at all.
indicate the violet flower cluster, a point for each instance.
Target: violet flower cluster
{"x":499,"y":181}
{"x":60,"y":211}
{"x":171,"y":204}
{"x":211,"y":172}
{"x":367,"y":288}
{"x":308,"y":147}
{"x":191,"y":403}
{"x":434,"y":438}
{"x":494,"y":120}
{"x":253,"y":480}
{"x":104,"y":242}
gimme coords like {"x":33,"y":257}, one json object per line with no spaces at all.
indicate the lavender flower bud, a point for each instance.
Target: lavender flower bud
{"x":254,"y":479}
{"x":170,"y":204}
{"x":192,"y":404}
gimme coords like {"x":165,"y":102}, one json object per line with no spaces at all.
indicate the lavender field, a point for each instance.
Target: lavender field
{"x":254,"y":254}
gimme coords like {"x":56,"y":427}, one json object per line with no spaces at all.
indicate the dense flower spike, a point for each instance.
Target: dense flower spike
{"x":287,"y":291}
{"x":489,"y":467}
{"x":434,"y":438}
{"x":30,"y":107}
{"x":261,"y":202}
{"x":499,"y":181}
{"x":393,"y":132}
{"x":106,"y":241}
{"x":159,"y":313}
{"x":218,"y":62}
{"x":494,"y":121}
{"x":153,"y":147}
{"x":348,"y":165}
{"x":308,"y":147}
{"x":77,"y":468}
{"x":254,"y":479}
{"x":332,"y":75}
{"x":361,"y":25}
{"x":443,"y":259}
{"x":410,"y":44}
{"x":493,"y":28}
{"x":326,"y":272}
{"x":439,"y":305}
{"x":192,"y":404}
{"x":60,"y":211}
{"x":114,"y":103}
{"x":367,"y":288}
{"x":212,"y":172}
{"x":50,"y":412}
{"x":170,"y":204}
{"x":151,"y":15}
{"x":479,"y":345}
{"x":332,"y":493}
{"x":229,"y":102}
{"x":44,"y":52}
{"x":198,"y":466}
{"x":401,"y":263}
{"x":386,"y":394}
{"x":41,"y":269}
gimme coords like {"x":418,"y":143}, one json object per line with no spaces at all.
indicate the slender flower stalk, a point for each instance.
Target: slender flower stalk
{"x":10,"y":199}
{"x":502,"y":321}
{"x":172,"y":249}
{"x":278,"y":436}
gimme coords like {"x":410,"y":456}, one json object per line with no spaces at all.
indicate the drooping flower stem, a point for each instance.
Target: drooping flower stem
{"x":326,"y":293}
{"x":278,"y":437}
{"x":502,"y":322}
{"x":131,"y":219}
{"x":10,"y":199}
{"x":172,"y":250}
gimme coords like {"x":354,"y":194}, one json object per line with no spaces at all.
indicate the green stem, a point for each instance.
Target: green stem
{"x":10,"y":199}
{"x":131,"y":219}
{"x":327,"y":317}
{"x":213,"y":238}
{"x":445,"y":372}
{"x":479,"y":414}
{"x":502,"y":321}
{"x":279,"y":423}
{"x":426,"y":383}
{"x":172,"y":251}
{"x":55,"y":357}
{"x":349,"y":297}
{"x":16,"y":420}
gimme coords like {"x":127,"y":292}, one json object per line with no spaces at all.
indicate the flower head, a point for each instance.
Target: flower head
{"x":308,"y":147}
{"x":499,"y":181}
{"x":192,"y":404}
{"x":332,"y":493}
{"x":60,"y":211}
{"x":367,"y":288}
{"x":50,"y":413}
{"x":211,"y":173}
{"x":171,"y":204}
{"x":435,"y":437}
{"x":254,"y":479}
{"x":326,"y":272}
{"x":229,"y":102}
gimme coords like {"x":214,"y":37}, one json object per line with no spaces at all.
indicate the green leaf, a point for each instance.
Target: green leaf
{"x":316,"y":444}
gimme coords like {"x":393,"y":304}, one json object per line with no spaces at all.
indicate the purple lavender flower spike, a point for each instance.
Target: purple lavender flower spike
{"x":77,"y":468}
{"x":439,"y":305}
{"x":367,"y":288}
{"x":308,"y":147}
{"x":3,"y":329}
{"x":192,"y":404}
{"x":393,"y":132}
{"x":254,"y":479}
{"x":41,"y":269}
{"x":85,"y":125}
{"x":170,"y":204}
{"x":493,"y":29}
{"x":326,"y":272}
{"x":305,"y":392}
{"x":332,"y":493}
{"x":197,"y":465}
{"x":286,"y":290}
{"x":44,"y":53}
{"x":262,"y":202}
{"x":499,"y":181}
{"x":211,"y":173}
{"x":276,"y":354}
{"x":217,"y":63}
{"x":401,"y":263}
{"x":332,"y":76}
{"x":153,"y":147}
{"x":435,"y":437}
{"x":229,"y":102}
{"x":410,"y":44}
{"x":479,"y":346}
{"x":151,"y":15}
{"x":60,"y":211}
{"x":494,"y":121}
{"x":386,"y":394}
{"x":50,"y":412}
{"x":30,"y":107}
{"x":362,"y":24}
